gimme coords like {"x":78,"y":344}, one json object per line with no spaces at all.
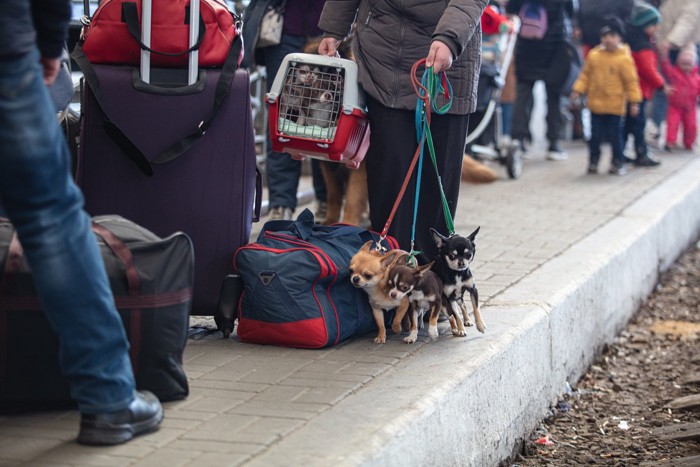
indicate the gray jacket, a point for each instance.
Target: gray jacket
{"x":391,"y":35}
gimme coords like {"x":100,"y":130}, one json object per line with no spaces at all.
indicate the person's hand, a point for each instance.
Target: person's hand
{"x":51,"y":68}
{"x":668,"y":89}
{"x":634,"y":110}
{"x":329,"y":47}
{"x":439,"y":57}
{"x":577,"y":34}
{"x":663,"y":48}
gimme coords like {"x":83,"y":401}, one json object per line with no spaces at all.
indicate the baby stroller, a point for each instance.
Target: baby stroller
{"x":485,"y":139}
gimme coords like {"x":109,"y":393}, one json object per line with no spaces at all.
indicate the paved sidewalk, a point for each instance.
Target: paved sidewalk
{"x":563,"y":260}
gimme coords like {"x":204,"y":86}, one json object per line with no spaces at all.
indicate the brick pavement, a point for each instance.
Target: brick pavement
{"x":258,"y":405}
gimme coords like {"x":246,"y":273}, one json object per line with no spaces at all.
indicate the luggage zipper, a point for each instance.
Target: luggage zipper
{"x":325,"y":270}
{"x":296,"y":241}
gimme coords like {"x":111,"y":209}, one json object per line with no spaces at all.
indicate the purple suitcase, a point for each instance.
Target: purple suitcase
{"x":212,"y":192}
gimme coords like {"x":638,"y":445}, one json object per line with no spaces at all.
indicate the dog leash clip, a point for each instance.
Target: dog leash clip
{"x":378,"y":245}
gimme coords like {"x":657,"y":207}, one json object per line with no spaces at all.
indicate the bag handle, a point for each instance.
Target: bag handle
{"x":120,"y":250}
{"x":181,"y":146}
{"x":131,"y":16}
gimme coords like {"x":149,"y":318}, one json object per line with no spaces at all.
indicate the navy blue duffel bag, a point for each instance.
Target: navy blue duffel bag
{"x":297,"y":289}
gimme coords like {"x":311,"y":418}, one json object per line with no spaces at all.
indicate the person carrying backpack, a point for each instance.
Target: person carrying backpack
{"x":540,"y":56}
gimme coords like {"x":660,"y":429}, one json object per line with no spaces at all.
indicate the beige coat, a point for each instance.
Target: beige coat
{"x":391,"y":36}
{"x":680,"y":22}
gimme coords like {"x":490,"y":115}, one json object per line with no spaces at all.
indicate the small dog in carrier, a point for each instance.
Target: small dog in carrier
{"x":324,"y":102}
{"x":297,"y":91}
{"x":312,"y":96}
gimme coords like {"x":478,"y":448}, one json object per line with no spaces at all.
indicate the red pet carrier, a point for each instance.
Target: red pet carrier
{"x":316,"y":110}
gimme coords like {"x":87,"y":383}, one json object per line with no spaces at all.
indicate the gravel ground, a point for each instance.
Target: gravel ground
{"x":607,"y":417}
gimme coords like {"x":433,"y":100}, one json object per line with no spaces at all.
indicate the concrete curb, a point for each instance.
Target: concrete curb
{"x":543,"y":332}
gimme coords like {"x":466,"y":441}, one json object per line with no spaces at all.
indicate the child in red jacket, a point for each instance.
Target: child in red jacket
{"x":640,"y":32}
{"x":682,"y":102}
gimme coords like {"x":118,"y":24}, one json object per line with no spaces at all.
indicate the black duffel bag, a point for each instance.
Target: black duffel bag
{"x":151,"y":279}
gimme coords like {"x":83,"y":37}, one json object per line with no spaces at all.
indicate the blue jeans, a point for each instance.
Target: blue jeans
{"x":659,"y":108}
{"x":45,"y":206}
{"x":635,"y":126}
{"x":605,"y":127}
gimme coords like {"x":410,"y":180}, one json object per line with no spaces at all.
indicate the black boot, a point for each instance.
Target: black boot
{"x":645,"y":160}
{"x":143,"y":415}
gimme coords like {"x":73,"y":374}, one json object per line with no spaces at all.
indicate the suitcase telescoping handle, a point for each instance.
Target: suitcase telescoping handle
{"x":146,"y":20}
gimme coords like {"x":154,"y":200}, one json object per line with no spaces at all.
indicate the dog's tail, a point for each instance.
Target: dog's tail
{"x":474,"y":171}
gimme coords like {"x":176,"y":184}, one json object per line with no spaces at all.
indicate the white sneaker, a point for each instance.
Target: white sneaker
{"x":557,"y":155}
{"x":281,"y":213}
{"x":321,"y":214}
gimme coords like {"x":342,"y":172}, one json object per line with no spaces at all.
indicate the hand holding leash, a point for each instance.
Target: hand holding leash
{"x":439,"y":57}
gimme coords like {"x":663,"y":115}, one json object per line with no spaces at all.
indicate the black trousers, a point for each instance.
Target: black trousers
{"x":392,"y":146}
{"x":523,"y":109}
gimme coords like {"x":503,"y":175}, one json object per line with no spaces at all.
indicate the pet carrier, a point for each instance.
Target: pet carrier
{"x":316,"y":109}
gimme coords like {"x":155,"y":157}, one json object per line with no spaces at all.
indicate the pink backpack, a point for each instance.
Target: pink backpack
{"x":533,"y":20}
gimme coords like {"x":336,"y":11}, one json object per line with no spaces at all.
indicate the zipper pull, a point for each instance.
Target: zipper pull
{"x":369,"y":16}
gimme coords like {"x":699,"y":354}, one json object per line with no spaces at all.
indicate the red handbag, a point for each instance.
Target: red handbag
{"x":113,"y":34}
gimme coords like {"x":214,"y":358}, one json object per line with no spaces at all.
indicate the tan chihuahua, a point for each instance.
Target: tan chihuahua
{"x":368,"y":271}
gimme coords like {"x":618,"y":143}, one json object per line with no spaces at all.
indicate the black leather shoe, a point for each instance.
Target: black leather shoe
{"x":646,"y":161}
{"x":143,"y":415}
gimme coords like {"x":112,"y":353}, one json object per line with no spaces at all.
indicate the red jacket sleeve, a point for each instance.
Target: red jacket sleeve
{"x":647,"y":68}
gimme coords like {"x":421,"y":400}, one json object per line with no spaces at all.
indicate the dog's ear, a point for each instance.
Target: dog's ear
{"x":421,"y":270}
{"x":367,"y":246}
{"x":394,"y":257}
{"x":389,"y":258}
{"x":472,"y":236}
{"x":437,"y":238}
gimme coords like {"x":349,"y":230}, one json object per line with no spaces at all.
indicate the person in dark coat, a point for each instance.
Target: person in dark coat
{"x":46,"y":208}
{"x":542,"y":60}
{"x":299,"y":25}
{"x":591,"y":14}
{"x":389,"y":38}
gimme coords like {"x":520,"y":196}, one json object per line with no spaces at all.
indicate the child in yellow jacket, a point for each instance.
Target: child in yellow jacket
{"x":609,"y":79}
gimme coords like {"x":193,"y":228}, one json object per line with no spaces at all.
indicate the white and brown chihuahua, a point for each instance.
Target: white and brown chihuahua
{"x":424,"y":291}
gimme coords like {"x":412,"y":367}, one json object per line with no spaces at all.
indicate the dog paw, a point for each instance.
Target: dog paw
{"x":481,"y":327}
{"x":433,"y":332}
{"x":411,"y":338}
{"x":379,"y":340}
{"x":396,"y":328}
{"x":458,"y":333}
{"x":468,"y":322}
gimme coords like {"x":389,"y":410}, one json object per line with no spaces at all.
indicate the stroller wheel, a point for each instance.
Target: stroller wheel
{"x":514,"y":162}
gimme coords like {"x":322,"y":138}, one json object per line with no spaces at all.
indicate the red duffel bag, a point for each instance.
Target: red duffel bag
{"x":113,"y":35}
